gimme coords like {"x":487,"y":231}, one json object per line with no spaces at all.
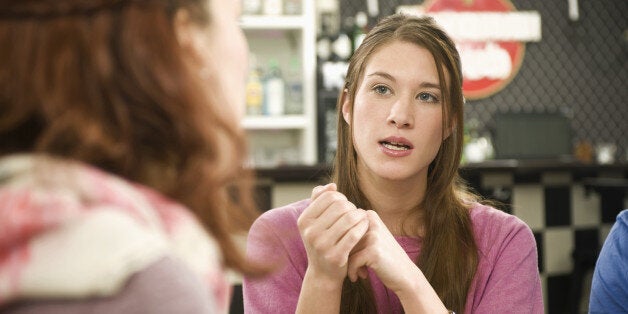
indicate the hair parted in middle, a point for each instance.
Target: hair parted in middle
{"x":449,"y":253}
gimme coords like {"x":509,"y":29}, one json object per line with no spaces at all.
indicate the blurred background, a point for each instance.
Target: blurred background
{"x":546,"y":129}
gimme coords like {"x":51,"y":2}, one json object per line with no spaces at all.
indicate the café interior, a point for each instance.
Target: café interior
{"x":545,"y":115}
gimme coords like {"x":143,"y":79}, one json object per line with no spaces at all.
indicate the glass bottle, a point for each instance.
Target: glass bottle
{"x":274,"y":90}
{"x":294,"y":87}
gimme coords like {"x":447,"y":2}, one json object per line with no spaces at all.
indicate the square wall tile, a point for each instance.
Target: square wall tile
{"x":558,"y":245}
{"x":587,"y":240}
{"x":527,"y":204}
{"x":604,"y":230}
{"x":538,"y":238}
{"x":556,"y":178}
{"x":286,"y":193}
{"x":490,"y":180}
{"x":544,"y":288}
{"x":585,"y":209}
{"x":502,"y":195}
{"x":557,"y":203}
{"x":237,"y":300}
{"x":583,"y":307}
{"x":612,"y":202}
{"x":558,"y":288}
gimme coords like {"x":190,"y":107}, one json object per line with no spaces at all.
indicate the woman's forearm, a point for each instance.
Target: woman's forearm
{"x":418,"y":296}
{"x":319,"y":295}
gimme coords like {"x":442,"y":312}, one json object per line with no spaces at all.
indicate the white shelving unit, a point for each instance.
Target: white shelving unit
{"x":295,"y":22}
{"x":276,"y":123}
{"x":280,"y":37}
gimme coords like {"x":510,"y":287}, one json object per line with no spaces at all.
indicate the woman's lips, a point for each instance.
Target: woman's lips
{"x":396,"y":146}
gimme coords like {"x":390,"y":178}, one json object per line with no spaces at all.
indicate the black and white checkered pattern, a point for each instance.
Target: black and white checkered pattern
{"x":570,"y":222}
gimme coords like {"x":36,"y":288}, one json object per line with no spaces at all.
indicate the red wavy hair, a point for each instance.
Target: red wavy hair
{"x":107,"y":83}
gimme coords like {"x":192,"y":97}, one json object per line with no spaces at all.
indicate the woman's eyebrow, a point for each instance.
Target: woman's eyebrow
{"x":392,"y":78}
{"x":430,"y":85}
{"x":382,"y":74}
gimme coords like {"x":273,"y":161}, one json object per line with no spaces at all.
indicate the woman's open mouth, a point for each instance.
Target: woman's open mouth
{"x":395,"y":145}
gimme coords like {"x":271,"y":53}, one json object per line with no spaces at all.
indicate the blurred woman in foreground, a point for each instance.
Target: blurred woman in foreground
{"x":121,"y":179}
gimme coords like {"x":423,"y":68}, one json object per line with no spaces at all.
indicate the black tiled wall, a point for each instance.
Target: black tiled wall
{"x":557,"y":206}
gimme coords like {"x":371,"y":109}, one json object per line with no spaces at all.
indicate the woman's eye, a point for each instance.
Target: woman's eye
{"x":381,"y":89}
{"x":427,"y":97}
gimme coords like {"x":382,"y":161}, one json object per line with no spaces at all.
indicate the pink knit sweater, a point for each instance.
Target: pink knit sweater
{"x":507,"y":279}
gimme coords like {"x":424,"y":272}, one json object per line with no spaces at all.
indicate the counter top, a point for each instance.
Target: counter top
{"x":522,"y":168}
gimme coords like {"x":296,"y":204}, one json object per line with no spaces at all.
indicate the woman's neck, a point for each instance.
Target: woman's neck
{"x":397,"y":202}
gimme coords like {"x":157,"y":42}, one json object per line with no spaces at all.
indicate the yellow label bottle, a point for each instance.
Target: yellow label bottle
{"x":254,"y":93}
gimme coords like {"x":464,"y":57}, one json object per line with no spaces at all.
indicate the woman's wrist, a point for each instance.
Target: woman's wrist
{"x":322,"y":282}
{"x":417,"y":295}
{"x":316,"y":288}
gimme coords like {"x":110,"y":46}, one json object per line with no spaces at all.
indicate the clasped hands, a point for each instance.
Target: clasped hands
{"x":342,"y":240}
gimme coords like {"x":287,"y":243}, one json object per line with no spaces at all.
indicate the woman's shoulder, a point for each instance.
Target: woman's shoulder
{"x":165,"y":286}
{"x":485,"y":215}
{"x":493,"y":226}
{"x":622,"y":219}
{"x":286,"y":215}
{"x":275,"y":236}
{"x":128,"y":225}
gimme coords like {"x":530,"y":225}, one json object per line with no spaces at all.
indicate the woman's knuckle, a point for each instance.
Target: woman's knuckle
{"x":319,"y":244}
{"x":337,"y":197}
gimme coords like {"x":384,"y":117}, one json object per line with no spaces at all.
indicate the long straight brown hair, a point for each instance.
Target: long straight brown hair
{"x":107,"y":83}
{"x":449,"y":254}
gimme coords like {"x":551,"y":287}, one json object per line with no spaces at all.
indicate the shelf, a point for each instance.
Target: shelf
{"x":279,"y":139}
{"x":275,"y":122}
{"x":269,"y":22}
{"x":587,"y":174}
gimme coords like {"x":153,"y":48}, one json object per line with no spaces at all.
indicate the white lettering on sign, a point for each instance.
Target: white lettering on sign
{"x":490,"y":61}
{"x":485,"y":26}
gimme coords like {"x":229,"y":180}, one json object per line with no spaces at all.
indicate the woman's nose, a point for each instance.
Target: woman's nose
{"x":401,"y":114}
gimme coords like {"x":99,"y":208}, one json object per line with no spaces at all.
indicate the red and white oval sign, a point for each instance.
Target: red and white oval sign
{"x":490,"y":36}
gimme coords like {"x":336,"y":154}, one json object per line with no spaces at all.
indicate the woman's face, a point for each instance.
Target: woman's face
{"x":397,"y":113}
{"x":224,"y":53}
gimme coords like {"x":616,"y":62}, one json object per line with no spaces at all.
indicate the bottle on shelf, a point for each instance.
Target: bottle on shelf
{"x":292,"y":7}
{"x":254,"y":93}
{"x":324,"y":38}
{"x":294,"y":87}
{"x":251,"y":7}
{"x":342,"y":47}
{"x":274,"y":90}
{"x":273,"y":7}
{"x":334,"y":48}
{"x":359,"y":29}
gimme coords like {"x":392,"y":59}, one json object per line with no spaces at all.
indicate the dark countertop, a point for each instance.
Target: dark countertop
{"x":525,"y":170}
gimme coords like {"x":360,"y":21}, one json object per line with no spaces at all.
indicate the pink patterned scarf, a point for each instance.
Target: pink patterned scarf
{"x":68,"y":230}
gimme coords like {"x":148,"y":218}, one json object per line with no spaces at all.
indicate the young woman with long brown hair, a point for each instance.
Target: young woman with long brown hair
{"x":397,"y":230}
{"x":121,"y":153}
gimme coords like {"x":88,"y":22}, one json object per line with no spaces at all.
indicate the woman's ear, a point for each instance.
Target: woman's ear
{"x":182,"y":28}
{"x":188,"y":35}
{"x":346,"y":106}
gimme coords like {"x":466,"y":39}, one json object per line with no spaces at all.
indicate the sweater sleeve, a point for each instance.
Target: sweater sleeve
{"x":507,"y":280}
{"x":166,"y":286}
{"x":609,"y":288}
{"x":274,"y":241}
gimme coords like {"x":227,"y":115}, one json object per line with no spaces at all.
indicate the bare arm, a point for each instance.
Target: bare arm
{"x":380,"y":251}
{"x":330,"y":227}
